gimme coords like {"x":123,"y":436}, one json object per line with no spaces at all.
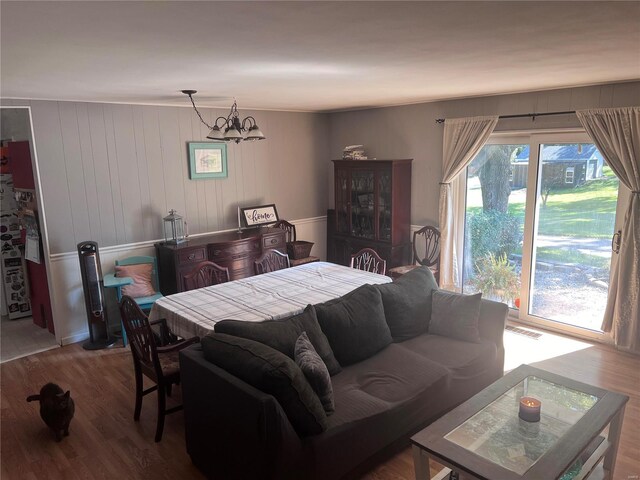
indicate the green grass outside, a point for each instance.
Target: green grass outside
{"x":566,"y":256}
{"x":584,"y":212}
{"x":587,"y":211}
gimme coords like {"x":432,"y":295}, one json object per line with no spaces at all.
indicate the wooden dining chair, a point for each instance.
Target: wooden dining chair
{"x":160,"y":364}
{"x":289,"y":228}
{"x":270,"y":261}
{"x":205,"y":274}
{"x":426,"y":252}
{"x":368,"y":260}
{"x":429,"y":237}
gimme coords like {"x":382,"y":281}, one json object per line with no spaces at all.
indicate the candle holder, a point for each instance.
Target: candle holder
{"x":529,"y":410}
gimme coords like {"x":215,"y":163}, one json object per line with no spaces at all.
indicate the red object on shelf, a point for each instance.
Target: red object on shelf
{"x":40,"y":300}
{"x":4,"y":160}
{"x":19,"y":155}
{"x":20,"y":165}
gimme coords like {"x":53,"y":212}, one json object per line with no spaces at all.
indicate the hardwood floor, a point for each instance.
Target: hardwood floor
{"x":106,"y":443}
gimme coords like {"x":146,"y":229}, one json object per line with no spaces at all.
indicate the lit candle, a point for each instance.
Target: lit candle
{"x":530,"y":409}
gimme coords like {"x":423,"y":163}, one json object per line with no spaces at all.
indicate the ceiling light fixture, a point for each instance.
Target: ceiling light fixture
{"x":234,"y":129}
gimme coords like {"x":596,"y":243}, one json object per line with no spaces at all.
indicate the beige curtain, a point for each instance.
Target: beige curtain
{"x":616,"y":133}
{"x":463,"y":139}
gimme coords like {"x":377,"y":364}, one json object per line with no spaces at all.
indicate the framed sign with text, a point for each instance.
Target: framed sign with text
{"x":260,"y":215}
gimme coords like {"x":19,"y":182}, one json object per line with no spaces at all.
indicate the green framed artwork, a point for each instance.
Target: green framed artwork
{"x":207,"y":160}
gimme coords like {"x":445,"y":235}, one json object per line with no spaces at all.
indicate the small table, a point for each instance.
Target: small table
{"x":485,"y":439}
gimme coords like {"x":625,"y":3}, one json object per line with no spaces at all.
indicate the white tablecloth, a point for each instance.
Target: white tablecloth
{"x":262,"y":297}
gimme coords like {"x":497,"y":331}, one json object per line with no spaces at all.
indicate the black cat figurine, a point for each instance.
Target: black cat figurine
{"x":56,"y":408}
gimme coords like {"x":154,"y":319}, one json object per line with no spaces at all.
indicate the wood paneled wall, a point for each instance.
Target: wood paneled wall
{"x":410,"y":131}
{"x":109,"y":172}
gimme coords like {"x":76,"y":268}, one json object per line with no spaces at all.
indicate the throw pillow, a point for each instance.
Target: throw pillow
{"x":407,"y":303}
{"x":455,"y":315}
{"x":282,"y":334}
{"x":271,"y":372}
{"x":315,"y":370}
{"x":354,"y":324}
{"x":141,"y":275}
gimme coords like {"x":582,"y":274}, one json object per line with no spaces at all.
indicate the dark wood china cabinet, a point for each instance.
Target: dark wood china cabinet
{"x":372,"y":209}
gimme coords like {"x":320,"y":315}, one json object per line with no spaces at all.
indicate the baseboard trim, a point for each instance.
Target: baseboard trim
{"x":75,"y":338}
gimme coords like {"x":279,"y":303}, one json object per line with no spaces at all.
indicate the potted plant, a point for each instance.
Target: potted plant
{"x":496,"y":278}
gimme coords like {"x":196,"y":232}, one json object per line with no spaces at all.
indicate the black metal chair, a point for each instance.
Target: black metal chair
{"x":368,"y":260}
{"x":160,"y":364}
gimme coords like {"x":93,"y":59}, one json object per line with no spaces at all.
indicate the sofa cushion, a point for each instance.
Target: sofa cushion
{"x":282,"y":334}
{"x":464,"y":360}
{"x":315,"y":370}
{"x":272,"y":372}
{"x":472,"y":366}
{"x":378,"y":401}
{"x":394,"y":375}
{"x":355,"y":325}
{"x":407,"y":303}
{"x":455,"y":315}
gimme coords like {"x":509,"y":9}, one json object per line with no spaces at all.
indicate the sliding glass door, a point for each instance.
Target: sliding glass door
{"x":494,"y":222}
{"x":573,"y":227}
{"x":540,"y":213}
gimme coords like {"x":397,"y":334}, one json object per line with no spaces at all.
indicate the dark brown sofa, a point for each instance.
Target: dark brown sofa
{"x":235,"y":431}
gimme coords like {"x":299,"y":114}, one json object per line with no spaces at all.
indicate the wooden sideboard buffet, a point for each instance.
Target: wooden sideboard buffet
{"x":235,"y":250}
{"x":372,"y":209}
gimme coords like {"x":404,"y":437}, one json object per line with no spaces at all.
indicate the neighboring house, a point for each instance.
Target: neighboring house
{"x":565,"y":166}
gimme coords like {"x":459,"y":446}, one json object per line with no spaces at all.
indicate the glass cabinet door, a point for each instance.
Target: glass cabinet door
{"x":384,"y":205}
{"x":343,"y":214}
{"x":363,"y":203}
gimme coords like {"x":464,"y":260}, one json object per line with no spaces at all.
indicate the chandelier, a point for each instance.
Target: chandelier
{"x":234,"y":129}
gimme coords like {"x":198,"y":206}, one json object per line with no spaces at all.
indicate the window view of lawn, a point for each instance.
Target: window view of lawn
{"x":575,"y":222}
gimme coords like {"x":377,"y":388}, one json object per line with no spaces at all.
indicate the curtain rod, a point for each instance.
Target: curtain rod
{"x":524,"y":115}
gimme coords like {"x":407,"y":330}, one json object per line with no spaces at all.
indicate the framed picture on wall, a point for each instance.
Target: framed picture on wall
{"x":207,"y":160}
{"x":260,"y":215}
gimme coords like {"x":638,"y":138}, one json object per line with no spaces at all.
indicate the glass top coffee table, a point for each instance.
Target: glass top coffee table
{"x":484,"y":438}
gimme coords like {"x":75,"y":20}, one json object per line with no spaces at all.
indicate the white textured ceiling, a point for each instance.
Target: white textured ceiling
{"x":311,"y":55}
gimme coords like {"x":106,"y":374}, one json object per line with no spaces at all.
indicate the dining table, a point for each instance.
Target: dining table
{"x":269,"y":296}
